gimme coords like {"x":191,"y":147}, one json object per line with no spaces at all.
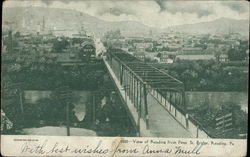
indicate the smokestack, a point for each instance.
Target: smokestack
{"x":43,"y":25}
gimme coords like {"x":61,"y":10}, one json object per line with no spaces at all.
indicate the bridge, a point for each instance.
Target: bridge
{"x":154,"y":99}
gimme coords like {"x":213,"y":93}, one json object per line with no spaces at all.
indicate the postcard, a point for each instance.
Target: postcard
{"x":124,"y":78}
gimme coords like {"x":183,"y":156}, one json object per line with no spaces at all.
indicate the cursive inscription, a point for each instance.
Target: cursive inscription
{"x":88,"y":150}
{"x":44,"y":148}
{"x":148,"y":150}
{"x":194,"y":151}
{"x":35,"y":149}
{"x":57,"y":149}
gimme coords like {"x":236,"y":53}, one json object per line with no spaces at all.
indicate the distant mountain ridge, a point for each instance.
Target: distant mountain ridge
{"x":218,"y":26}
{"x":67,"y":19}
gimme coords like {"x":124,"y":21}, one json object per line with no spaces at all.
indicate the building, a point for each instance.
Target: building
{"x":247,"y":55}
{"x":223,"y":58}
{"x":167,"y":57}
{"x":140,"y":55}
{"x":143,"y":45}
{"x":195,"y":57}
{"x":192,"y":50}
{"x":159,"y":47}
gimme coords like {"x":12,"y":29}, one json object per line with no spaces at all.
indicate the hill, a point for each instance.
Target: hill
{"x":218,"y":26}
{"x":31,"y":19}
{"x":66,"y":19}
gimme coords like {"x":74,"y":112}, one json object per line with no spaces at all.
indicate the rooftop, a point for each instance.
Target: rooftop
{"x":195,"y":57}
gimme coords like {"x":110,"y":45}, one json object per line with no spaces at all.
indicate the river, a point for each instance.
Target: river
{"x":80,"y":100}
{"x":83,"y":107}
{"x":216,"y":99}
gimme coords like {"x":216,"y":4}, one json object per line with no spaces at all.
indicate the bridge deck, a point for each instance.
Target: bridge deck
{"x":161,"y":123}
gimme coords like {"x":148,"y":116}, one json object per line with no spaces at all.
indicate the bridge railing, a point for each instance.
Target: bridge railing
{"x":171,"y":96}
{"x":135,"y":88}
{"x":181,"y":115}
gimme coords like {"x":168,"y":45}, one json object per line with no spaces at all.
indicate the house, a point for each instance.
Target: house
{"x":166,"y":60}
{"x":151,"y":55}
{"x":192,"y":50}
{"x":167,"y":57}
{"x":210,"y":46}
{"x":174,"y":47}
{"x":223,"y":58}
{"x":143,"y":45}
{"x":157,"y":59}
{"x":140,"y":55}
{"x":195,"y":57}
{"x":247,"y":55}
{"x":159,"y":47}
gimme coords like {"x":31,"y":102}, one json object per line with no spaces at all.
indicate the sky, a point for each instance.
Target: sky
{"x":154,"y":13}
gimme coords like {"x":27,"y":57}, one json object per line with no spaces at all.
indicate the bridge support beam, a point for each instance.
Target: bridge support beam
{"x":139,"y":109}
{"x":121,"y":75}
{"x":183,"y":98}
{"x":187,"y":124}
{"x":137,"y":96}
{"x":146,"y":104}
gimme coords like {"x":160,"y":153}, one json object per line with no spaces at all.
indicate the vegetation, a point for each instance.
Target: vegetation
{"x":113,"y":34}
{"x":237,"y":54}
{"x":208,"y":76}
{"x":59,"y":45}
{"x":33,"y":68}
{"x":111,"y":39}
{"x":36,"y":69}
{"x":207,"y":117}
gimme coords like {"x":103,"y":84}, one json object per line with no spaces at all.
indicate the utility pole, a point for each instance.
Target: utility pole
{"x":94,"y":110}
{"x":18,"y":87}
{"x":67,"y":117}
{"x":21,"y":101}
{"x":65,"y":95}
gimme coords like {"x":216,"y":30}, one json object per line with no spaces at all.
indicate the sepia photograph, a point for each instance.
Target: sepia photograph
{"x":146,"y":68}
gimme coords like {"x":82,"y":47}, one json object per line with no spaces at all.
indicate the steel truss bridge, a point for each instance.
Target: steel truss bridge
{"x":154,"y":99}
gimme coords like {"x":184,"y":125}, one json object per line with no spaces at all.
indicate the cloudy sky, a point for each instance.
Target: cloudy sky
{"x":156,"y":13}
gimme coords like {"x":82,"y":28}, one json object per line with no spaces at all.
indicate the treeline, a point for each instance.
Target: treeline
{"x":36,"y":71}
{"x":208,"y":75}
{"x":206,"y":116}
{"x":113,"y":34}
{"x":49,"y":77}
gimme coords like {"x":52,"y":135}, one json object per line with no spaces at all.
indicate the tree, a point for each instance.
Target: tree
{"x":113,"y":34}
{"x":165,"y":49}
{"x":217,"y":54}
{"x":17,"y":35}
{"x":159,"y":55}
{"x":59,"y":45}
{"x":236,"y":54}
